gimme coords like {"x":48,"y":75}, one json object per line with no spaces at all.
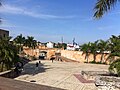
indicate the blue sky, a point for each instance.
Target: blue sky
{"x":49,"y":20}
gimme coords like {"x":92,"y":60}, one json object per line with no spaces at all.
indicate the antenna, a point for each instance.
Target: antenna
{"x":73,"y":41}
{"x":62,"y":39}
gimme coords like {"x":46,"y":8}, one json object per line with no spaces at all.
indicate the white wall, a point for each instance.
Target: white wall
{"x":49,"y":45}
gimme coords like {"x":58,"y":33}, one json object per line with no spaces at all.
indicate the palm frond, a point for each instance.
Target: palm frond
{"x":103,"y":6}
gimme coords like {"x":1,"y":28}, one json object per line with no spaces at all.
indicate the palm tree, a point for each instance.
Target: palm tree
{"x":115,"y":52}
{"x":30,"y":42}
{"x":94,"y":49}
{"x":86,"y":50}
{"x":114,"y":46}
{"x":103,"y":46}
{"x":0,"y":6}
{"x":19,"y":41}
{"x":7,"y":53}
{"x":103,"y":6}
{"x":0,"y":3}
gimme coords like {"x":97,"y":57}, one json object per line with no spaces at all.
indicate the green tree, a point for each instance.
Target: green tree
{"x":103,"y":6}
{"x":19,"y":41}
{"x":8,"y":53}
{"x":115,"y":67}
{"x":60,"y":45}
{"x":30,"y":42}
{"x":64,"y":45}
{"x":115,"y":52}
{"x":103,"y":46}
{"x":114,"y":47}
{"x":94,"y":49}
{"x":0,"y":6}
{"x":86,"y":50}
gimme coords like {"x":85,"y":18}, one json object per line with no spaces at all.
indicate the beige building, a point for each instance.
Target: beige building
{"x":4,"y":33}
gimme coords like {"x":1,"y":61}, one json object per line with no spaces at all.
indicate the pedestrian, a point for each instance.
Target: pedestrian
{"x":17,"y":67}
{"x":16,"y":71}
{"x":52,"y":59}
{"x":37,"y":65}
{"x":39,"y":62}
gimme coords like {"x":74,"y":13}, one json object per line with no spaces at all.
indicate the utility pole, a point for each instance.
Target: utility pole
{"x":62,"y":43}
{"x":62,"y":40}
{"x":73,"y":41}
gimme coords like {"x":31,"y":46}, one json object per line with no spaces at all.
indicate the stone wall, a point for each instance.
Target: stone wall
{"x":8,"y":74}
{"x":74,"y":55}
{"x":31,"y":52}
{"x":79,"y":56}
{"x":50,"y":53}
{"x":36,"y":52}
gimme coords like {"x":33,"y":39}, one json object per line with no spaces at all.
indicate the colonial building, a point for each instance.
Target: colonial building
{"x":50,"y":44}
{"x":72,"y":47}
{"x":4,"y":33}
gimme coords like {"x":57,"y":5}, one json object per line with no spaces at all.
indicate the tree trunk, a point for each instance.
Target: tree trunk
{"x":2,"y":66}
{"x":20,"y":49}
{"x":94,"y":56}
{"x":32,"y":51}
{"x":87,"y":57}
{"x":102,"y":58}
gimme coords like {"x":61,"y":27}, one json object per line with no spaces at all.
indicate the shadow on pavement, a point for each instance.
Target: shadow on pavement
{"x":31,"y":69}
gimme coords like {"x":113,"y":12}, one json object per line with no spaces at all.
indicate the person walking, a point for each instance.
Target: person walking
{"x":37,"y":64}
{"x":52,"y":59}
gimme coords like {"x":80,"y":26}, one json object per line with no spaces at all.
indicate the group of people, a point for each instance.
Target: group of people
{"x":37,"y":64}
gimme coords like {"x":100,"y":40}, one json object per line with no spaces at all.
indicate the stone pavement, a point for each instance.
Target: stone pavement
{"x":59,"y":74}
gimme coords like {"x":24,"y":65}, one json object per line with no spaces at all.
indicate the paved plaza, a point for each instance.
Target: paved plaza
{"x":59,"y":74}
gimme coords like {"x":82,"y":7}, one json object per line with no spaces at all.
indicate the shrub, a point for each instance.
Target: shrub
{"x":115,"y":67}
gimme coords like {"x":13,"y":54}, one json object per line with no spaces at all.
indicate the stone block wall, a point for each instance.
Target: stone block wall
{"x":8,"y":74}
{"x":79,"y":56}
{"x":50,"y":53}
{"x":32,"y":52}
{"x":36,"y":52}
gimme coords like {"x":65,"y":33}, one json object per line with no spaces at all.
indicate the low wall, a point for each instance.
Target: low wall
{"x":11,"y":73}
{"x":79,"y":56}
{"x":36,"y":52}
{"x":8,"y":74}
{"x":50,"y":53}
{"x":31,"y":52}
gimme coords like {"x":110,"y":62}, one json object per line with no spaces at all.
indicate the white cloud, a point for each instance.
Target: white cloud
{"x":88,"y":19}
{"x":37,"y":36}
{"x":105,"y":27}
{"x":7,"y":24}
{"x":22,"y":11}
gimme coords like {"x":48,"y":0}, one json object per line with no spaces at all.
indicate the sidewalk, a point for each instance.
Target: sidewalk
{"x":59,"y":74}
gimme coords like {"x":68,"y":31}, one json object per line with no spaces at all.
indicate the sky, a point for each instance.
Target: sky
{"x":50,"y":20}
